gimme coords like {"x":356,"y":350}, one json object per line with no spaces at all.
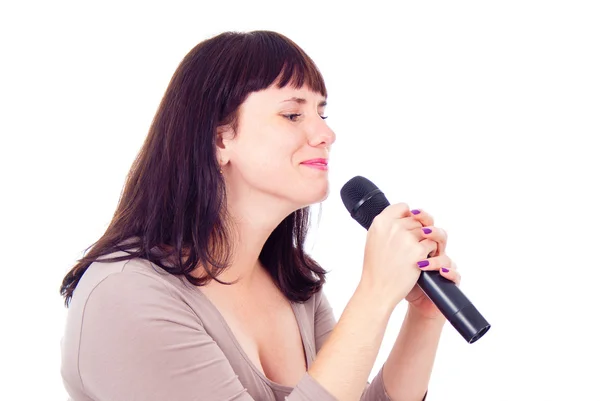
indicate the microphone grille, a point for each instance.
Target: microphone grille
{"x":354,"y":194}
{"x":354,"y":190}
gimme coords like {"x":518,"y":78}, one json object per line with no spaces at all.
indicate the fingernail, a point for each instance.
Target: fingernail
{"x":427,"y":230}
{"x":415,"y":211}
{"x":423,"y":263}
{"x":445,"y":270}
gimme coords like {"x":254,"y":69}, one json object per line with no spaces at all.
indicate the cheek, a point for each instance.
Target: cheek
{"x":277,"y":149}
{"x":266,"y":164}
{"x":268,"y":157}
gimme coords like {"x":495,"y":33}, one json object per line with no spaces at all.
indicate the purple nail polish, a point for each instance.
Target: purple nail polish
{"x":415,"y":211}
{"x":445,"y":270}
{"x":427,"y":230}
{"x":423,"y":263}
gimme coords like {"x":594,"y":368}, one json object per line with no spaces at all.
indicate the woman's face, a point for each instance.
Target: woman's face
{"x":281,"y":147}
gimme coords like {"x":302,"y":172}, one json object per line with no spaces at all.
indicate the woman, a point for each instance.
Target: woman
{"x":200,"y":288}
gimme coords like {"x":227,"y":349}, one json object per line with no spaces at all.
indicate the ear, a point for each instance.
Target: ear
{"x":225,"y":136}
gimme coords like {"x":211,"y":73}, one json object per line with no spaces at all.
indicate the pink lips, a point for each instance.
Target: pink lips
{"x":320,"y":164}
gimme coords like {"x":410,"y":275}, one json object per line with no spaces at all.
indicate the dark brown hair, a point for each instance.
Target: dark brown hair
{"x":172,"y":210}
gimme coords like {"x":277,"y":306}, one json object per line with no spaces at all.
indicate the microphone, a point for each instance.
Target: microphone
{"x":364,"y":201}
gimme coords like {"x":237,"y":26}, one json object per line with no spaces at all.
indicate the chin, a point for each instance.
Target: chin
{"x":324,"y":195}
{"x":315,"y":194}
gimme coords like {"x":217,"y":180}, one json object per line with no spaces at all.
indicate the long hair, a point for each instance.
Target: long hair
{"x":172,"y":209}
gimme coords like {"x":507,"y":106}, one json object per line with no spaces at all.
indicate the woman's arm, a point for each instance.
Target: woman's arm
{"x":346,"y":351}
{"x":324,"y":326}
{"x":408,"y":368}
{"x":406,"y":355}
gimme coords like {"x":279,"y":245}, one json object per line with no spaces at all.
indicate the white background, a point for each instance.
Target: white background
{"x":486,"y":114}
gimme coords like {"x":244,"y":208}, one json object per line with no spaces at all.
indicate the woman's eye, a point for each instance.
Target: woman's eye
{"x":292,"y":117}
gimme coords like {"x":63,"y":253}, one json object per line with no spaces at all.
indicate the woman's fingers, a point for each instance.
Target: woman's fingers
{"x":429,"y":231}
{"x":429,"y":247}
{"x":444,"y":264}
{"x":436,"y":234}
{"x":451,"y":275}
{"x":422,"y":217}
{"x":395,"y":210}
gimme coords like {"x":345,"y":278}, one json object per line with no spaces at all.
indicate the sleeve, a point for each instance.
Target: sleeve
{"x":140,"y":342}
{"x":324,"y":323}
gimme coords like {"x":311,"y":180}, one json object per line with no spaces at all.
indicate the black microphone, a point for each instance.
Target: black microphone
{"x":364,"y":201}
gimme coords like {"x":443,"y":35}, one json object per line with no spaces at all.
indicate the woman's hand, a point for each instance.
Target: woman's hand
{"x":392,"y":250}
{"x":416,"y":298}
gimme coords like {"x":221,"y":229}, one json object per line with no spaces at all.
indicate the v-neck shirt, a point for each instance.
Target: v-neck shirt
{"x":136,"y":332}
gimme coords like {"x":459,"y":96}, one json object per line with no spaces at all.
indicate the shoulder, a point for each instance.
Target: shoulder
{"x":108,"y":290}
{"x":133,"y":332}
{"x":131,"y":274}
{"x":117,"y":306}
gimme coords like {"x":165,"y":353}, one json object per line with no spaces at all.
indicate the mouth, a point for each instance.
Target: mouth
{"x":320,"y":164}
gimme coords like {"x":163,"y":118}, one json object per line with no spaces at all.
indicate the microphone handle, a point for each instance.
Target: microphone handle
{"x":454,"y":305}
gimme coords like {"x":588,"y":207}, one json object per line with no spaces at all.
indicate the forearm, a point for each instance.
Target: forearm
{"x":408,"y":368}
{"x":346,"y":359}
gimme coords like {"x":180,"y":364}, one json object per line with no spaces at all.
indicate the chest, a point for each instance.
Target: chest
{"x":267,"y":331}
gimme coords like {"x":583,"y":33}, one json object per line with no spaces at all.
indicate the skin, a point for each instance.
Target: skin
{"x":271,"y":142}
{"x":416,"y":298}
{"x":275,"y":135}
{"x":408,"y":368}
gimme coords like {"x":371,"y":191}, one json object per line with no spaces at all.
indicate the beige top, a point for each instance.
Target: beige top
{"x":136,"y":332}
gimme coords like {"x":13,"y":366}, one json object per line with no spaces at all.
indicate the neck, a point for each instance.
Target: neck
{"x":254,"y":216}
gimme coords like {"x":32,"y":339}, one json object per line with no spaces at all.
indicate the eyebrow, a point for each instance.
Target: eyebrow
{"x":300,"y":100}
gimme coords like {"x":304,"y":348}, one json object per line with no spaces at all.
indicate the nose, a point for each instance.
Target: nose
{"x":322,"y":135}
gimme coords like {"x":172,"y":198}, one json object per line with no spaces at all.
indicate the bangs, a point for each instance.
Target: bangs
{"x":271,"y":58}
{"x":298,"y":72}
